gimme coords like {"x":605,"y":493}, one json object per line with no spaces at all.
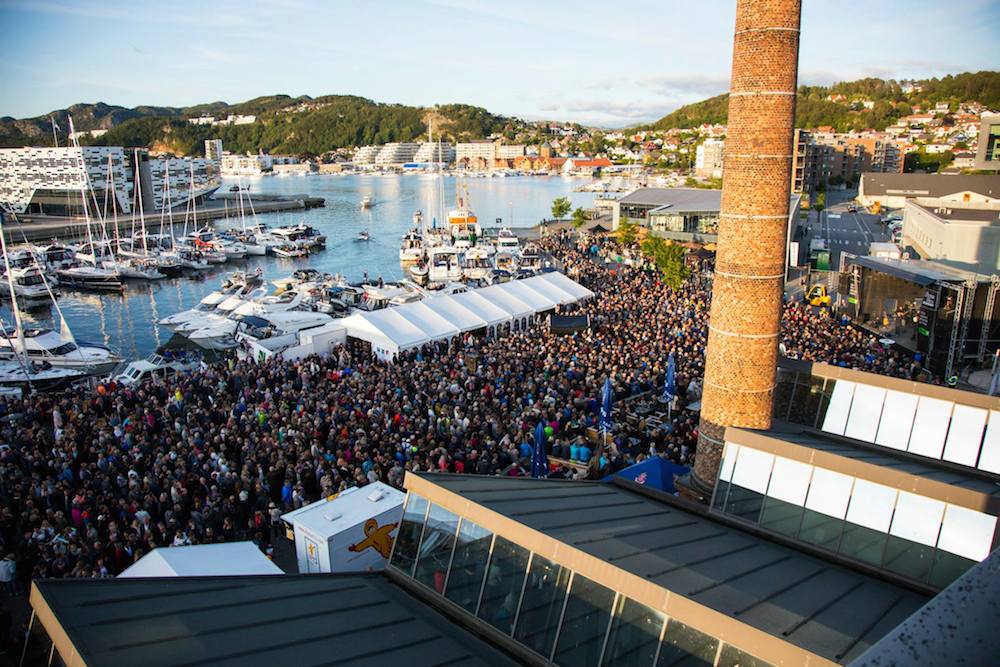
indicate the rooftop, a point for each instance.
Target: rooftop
{"x":683,"y":199}
{"x":286,"y":620}
{"x":919,"y":271}
{"x":951,"y":213}
{"x":928,"y":185}
{"x":811,"y":603}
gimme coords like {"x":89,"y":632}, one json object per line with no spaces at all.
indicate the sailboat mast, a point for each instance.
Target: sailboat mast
{"x":194,"y":206}
{"x":13,"y":295}
{"x":138,"y":197}
{"x":83,"y":189}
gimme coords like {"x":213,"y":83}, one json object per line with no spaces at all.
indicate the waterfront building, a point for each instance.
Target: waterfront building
{"x":893,"y":190}
{"x":473,"y":153}
{"x":708,"y":158}
{"x":213,"y":150}
{"x":953,"y":232}
{"x":246,"y":165}
{"x":822,"y":158}
{"x":49,"y":180}
{"x":181,"y":172}
{"x":365,"y":155}
{"x":395,"y":154}
{"x":435,"y":152}
{"x":988,"y":149}
{"x":510,"y":151}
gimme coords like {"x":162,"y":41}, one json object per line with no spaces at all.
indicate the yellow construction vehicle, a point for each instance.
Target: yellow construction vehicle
{"x":817,"y":296}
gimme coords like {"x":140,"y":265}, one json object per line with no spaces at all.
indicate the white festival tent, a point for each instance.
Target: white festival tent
{"x":203,"y":560}
{"x":395,"y":329}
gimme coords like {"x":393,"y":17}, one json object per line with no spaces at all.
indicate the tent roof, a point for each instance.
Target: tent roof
{"x":566,"y":284}
{"x":537,"y":299}
{"x":486,"y":309}
{"x":551,"y":289}
{"x":453,"y":311}
{"x":505,"y":299}
{"x":203,"y":560}
{"x":428,"y":320}
{"x":389,"y":324}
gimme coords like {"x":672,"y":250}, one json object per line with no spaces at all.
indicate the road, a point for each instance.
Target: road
{"x":844,"y":231}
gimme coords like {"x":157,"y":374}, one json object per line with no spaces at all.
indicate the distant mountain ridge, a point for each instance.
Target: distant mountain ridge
{"x":300,"y":125}
{"x":890,"y":100}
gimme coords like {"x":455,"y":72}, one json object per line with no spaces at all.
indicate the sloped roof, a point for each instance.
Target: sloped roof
{"x":229,"y":559}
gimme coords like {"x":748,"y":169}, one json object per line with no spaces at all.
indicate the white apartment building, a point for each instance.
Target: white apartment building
{"x":954,"y":231}
{"x":49,"y":180}
{"x":435,"y":152}
{"x":708,"y":158}
{"x":188,"y":178}
{"x":472,"y":150}
{"x":213,"y":149}
{"x":246,"y":165}
{"x":510,"y":151}
{"x":396,"y":154}
{"x":366,"y":155}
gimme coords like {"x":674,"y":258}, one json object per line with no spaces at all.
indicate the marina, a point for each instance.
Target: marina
{"x":122,"y":313}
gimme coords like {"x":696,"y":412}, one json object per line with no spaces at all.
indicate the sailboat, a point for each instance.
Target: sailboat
{"x":19,"y":371}
{"x":140,"y":268}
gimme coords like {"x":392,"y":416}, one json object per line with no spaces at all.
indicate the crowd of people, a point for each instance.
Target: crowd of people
{"x":90,"y":482}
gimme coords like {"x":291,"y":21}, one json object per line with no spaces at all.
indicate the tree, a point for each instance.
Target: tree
{"x":561,"y":206}
{"x":668,"y":259}
{"x":580,"y":217}
{"x":627,"y":233}
{"x":820,"y":203}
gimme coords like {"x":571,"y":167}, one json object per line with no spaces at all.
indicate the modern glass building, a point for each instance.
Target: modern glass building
{"x":585,"y":573}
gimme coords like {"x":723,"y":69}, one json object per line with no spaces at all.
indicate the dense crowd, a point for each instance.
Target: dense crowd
{"x":90,"y":482}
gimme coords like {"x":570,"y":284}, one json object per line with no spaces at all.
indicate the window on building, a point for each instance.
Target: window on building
{"x":635,"y":635}
{"x":435,"y":548}
{"x":683,"y":646}
{"x":542,"y":605}
{"x":585,"y":623}
{"x":504,"y":582}
{"x":404,"y":555}
{"x":472,"y":552}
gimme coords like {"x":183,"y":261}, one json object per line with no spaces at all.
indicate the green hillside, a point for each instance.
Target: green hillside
{"x":890,"y":102}
{"x":300,"y":125}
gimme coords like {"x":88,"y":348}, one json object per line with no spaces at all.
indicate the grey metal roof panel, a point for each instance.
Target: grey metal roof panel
{"x":823,"y":607}
{"x":291,"y":619}
{"x":928,"y":185}
{"x":681,"y":199}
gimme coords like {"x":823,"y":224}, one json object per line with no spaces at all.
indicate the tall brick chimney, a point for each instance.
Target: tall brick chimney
{"x":741,"y":360}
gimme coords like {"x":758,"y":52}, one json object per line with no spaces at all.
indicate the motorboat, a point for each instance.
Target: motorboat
{"x":29,"y":283}
{"x":290,"y":250}
{"x":476,"y":264}
{"x":190,"y":258}
{"x":89,"y":277}
{"x":159,"y":365}
{"x":443,"y":264}
{"x":169,"y":263}
{"x":137,"y":268}
{"x":20,"y":259}
{"x":377,"y":297}
{"x":507,"y":241}
{"x":45,"y":345}
{"x":37,"y":376}
{"x":436,"y":236}
{"x":278,"y":329}
{"x":218,"y":334}
{"x":299,"y":277}
{"x":55,"y":256}
{"x":419,"y":272}
{"x":368,"y":201}
{"x":506,"y":261}
{"x":237,"y":285}
{"x":362,"y":236}
{"x":531,"y":258}
{"x":463,"y":224}
{"x":412,"y":248}
{"x":302,"y":235}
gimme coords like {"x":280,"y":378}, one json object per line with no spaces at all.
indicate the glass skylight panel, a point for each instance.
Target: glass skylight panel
{"x":930,"y":426}
{"x":989,"y":458}
{"x":728,"y":460}
{"x":917,"y":519}
{"x":967,"y":533}
{"x":965,"y":435}
{"x":871,"y":505}
{"x":840,"y":406}
{"x":829,"y":493}
{"x":897,"y":420}
{"x":753,"y":469}
{"x":789,"y":481}
{"x":866,"y":408}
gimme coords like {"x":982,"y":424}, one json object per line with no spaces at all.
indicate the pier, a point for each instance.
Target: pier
{"x":38,"y":228}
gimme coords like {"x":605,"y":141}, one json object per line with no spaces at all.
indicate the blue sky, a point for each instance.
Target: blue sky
{"x":609,"y":63}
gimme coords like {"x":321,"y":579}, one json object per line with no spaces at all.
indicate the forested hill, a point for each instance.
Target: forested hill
{"x":892,"y":99}
{"x":301,"y":125}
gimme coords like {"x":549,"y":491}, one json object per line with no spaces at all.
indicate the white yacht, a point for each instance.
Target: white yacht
{"x":218,"y":334}
{"x":90,"y":277}
{"x":507,"y":241}
{"x":412,"y":248}
{"x":157,"y":365}
{"x":55,"y":256}
{"x":138,"y":268}
{"x":444,"y":264}
{"x":506,"y":261}
{"x":237,"y":285}
{"x":531,"y":258}
{"x":301,"y":235}
{"x":278,"y":329}
{"x":47,"y":346}
{"x":29,"y":283}
{"x":16,"y":375}
{"x":189,"y":258}
{"x":476,"y":264}
{"x":368,"y":201}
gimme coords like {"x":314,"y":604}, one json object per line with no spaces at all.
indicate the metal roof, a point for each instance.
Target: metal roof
{"x":819,"y":606}
{"x":280,"y":620}
{"x":919,"y":271}
{"x":681,"y":199}
{"x":928,"y":185}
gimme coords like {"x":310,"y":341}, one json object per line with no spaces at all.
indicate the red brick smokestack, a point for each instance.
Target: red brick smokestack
{"x":741,"y":360}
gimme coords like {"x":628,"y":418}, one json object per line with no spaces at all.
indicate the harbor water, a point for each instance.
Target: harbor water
{"x":127,"y":322}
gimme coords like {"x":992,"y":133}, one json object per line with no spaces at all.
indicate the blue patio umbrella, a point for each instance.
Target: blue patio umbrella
{"x":670,"y":382}
{"x":539,"y":460}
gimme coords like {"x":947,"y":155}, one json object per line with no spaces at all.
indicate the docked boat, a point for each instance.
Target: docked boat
{"x":476,"y":264}
{"x":189,"y":258}
{"x":302,"y":235}
{"x":289,"y":250}
{"x":55,"y":256}
{"x":443,"y":264}
{"x":463,"y":224}
{"x":299,"y":277}
{"x":531,"y":258}
{"x":419,"y":272}
{"x":507,"y":242}
{"x":238,"y":285}
{"x":47,"y":346}
{"x":24,"y":377}
{"x":368,"y":201}
{"x":137,"y":268}
{"x":412,"y":248}
{"x":29,"y":283}
{"x":158,"y":365}
{"x":218,"y":334}
{"x":90,"y":278}
{"x":506,"y":261}
{"x":278,"y":329}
